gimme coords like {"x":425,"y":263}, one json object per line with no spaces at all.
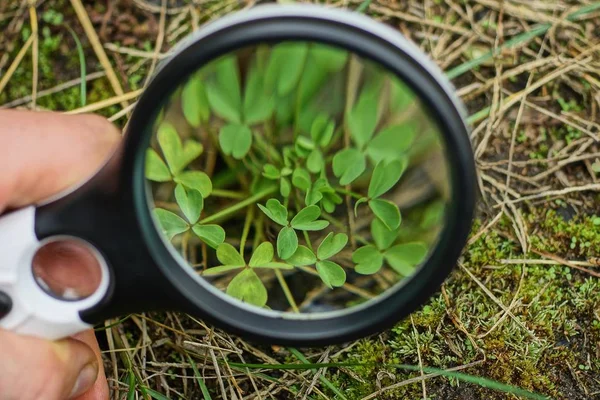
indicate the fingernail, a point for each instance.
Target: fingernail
{"x":85,"y":380}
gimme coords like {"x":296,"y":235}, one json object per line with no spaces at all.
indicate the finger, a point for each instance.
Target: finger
{"x":44,"y":153}
{"x":99,"y":391}
{"x":34,"y":369}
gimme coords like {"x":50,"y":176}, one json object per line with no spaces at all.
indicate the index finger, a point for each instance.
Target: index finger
{"x":44,"y":153}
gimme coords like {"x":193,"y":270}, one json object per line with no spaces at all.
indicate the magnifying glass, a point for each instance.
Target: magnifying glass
{"x":292,"y":174}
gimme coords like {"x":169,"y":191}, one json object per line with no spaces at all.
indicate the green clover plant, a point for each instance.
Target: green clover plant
{"x":305,"y":220}
{"x":402,"y":258}
{"x":246,"y":285}
{"x":278,"y":144}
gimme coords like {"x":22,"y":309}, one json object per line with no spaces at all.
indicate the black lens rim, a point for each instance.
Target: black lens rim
{"x":342,"y":31}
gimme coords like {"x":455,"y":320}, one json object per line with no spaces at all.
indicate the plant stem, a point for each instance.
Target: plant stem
{"x":228,"y":194}
{"x":286,"y":291}
{"x":230,"y":210}
{"x":249,"y":217}
{"x":349,"y":192}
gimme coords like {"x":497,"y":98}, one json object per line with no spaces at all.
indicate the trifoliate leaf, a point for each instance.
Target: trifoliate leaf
{"x":382,"y":235}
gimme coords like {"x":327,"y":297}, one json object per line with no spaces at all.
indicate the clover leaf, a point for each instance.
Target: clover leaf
{"x":331,"y":273}
{"x":305,"y":220}
{"x":385,"y":176}
{"x":191,"y":204}
{"x":235,"y":140}
{"x":246,"y":285}
{"x":402,"y":258}
{"x":178,"y":155}
{"x":194,"y":102}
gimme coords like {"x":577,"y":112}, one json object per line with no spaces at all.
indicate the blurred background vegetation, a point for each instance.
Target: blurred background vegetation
{"x":523,"y":305}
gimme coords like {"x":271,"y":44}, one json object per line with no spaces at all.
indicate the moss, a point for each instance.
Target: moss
{"x":558,"y":306}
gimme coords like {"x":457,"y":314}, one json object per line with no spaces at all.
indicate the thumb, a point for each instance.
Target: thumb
{"x":34,"y":369}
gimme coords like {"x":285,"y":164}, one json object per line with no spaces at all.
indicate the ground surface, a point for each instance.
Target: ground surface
{"x":523,"y":306}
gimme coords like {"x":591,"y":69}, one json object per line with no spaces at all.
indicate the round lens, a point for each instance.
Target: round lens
{"x":298,"y":178}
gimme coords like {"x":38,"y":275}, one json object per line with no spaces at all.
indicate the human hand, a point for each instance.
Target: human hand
{"x":42,"y":154}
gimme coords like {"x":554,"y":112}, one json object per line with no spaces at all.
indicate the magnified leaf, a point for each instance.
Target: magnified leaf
{"x":235,"y":140}
{"x":271,"y":172}
{"x":212,"y":235}
{"x":399,"y":265}
{"x":331,"y":273}
{"x":385,"y":176}
{"x":248,"y":287}
{"x":304,"y":143}
{"x":307,"y":214}
{"x":362,"y":118}
{"x":302,"y":256}
{"x":301,"y":179}
{"x":275,"y":210}
{"x":156,"y":169}
{"x":382,"y":235}
{"x":190,"y":202}
{"x":312,"y":226}
{"x":315,"y":162}
{"x":412,"y":253}
{"x":322,"y":130}
{"x":191,"y":151}
{"x":224,"y":92}
{"x":402,"y":96}
{"x":197,"y":180}
{"x":433,"y":215}
{"x":331,"y":245}
{"x":313,"y":196}
{"x":228,"y":255}
{"x":220,"y":269}
{"x":194,"y":102}
{"x":368,"y":259}
{"x":171,"y":223}
{"x":284,"y":187}
{"x":287,"y":243}
{"x":263,"y":254}
{"x":313,"y":78}
{"x":170,"y":144}
{"x":329,"y":58}
{"x":348,"y":164}
{"x":392,"y":142}
{"x":258,"y":105}
{"x":286,"y":64}
{"x":387,"y":212}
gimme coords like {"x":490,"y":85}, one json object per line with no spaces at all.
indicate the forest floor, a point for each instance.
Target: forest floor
{"x":523,"y":305}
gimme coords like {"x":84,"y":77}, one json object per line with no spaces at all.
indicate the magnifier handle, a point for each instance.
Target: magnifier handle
{"x":25,"y":308}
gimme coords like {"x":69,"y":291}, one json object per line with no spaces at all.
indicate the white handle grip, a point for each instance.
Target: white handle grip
{"x":35,"y":312}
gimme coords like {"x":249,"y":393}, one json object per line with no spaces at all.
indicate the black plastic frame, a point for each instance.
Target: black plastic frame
{"x":148,"y":277}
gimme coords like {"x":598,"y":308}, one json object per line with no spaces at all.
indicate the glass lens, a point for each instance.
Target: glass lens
{"x":298,"y":177}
